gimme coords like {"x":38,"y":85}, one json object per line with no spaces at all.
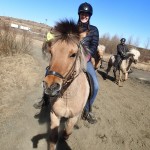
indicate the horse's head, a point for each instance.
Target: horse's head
{"x":65,"y":61}
{"x":133,"y":55}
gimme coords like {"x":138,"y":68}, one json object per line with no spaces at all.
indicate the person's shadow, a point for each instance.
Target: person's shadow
{"x":44,"y":117}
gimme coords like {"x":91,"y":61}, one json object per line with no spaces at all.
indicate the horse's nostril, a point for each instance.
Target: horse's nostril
{"x":55,"y":86}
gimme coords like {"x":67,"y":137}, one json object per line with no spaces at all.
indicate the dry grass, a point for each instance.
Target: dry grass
{"x":17,"y":74}
{"x":12,"y":42}
{"x":38,"y":30}
{"x":19,"y":71}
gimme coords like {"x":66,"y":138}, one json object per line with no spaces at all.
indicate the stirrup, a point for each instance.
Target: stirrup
{"x":91,"y":118}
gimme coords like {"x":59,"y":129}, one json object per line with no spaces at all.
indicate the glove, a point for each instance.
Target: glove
{"x":123,"y":55}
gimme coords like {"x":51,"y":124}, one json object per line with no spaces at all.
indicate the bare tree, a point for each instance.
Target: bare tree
{"x":115,"y":40}
{"x":136,"y":42}
{"x":130,"y":40}
{"x":104,"y":39}
{"x":147,"y":44}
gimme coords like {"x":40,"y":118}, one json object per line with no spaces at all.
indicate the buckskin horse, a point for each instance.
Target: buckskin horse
{"x":65,"y":82}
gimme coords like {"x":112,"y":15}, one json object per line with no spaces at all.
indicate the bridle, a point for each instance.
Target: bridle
{"x":71,"y":75}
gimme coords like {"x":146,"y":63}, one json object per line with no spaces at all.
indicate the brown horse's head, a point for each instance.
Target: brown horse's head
{"x":65,"y":62}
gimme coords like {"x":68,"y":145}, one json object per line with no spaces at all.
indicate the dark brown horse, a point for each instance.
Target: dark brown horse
{"x":65,"y":81}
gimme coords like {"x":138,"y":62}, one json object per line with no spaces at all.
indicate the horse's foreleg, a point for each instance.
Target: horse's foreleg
{"x":126,"y":76}
{"x":115,"y":76}
{"x":120,"y":78}
{"x":69,"y":127}
{"x":101,"y":63}
{"x":108,"y":68}
{"x":54,"y":125}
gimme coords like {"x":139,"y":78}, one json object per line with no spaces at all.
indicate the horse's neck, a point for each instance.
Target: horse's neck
{"x":72,"y":87}
{"x":126,"y":63}
{"x":129,"y":64}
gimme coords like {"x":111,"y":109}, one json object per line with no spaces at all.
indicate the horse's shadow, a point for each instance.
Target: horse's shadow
{"x":105,"y":76}
{"x":44,"y":117}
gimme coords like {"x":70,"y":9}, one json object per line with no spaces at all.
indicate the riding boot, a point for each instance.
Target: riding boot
{"x":43,"y":102}
{"x":89,"y":116}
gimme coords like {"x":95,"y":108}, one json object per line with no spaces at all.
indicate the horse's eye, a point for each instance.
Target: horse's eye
{"x":73,"y":55}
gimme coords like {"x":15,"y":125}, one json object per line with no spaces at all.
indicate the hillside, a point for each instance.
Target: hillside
{"x":39,"y":29}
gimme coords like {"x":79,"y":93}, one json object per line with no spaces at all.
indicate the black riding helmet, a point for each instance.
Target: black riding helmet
{"x":123,"y":40}
{"x":86,"y":8}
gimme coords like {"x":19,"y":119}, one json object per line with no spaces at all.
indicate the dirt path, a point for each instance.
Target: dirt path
{"x":123,"y":118}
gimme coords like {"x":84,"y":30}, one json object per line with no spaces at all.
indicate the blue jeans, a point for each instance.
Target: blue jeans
{"x":90,"y":69}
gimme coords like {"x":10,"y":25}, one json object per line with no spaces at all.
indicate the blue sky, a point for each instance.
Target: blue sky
{"x":122,"y":17}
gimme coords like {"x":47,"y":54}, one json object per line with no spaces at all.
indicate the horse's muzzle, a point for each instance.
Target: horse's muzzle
{"x":52,"y":90}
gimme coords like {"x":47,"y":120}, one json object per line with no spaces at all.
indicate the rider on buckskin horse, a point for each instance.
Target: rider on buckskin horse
{"x":90,"y":42}
{"x":122,"y":49}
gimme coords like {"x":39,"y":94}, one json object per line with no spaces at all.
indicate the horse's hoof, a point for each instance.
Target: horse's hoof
{"x":120,"y":85}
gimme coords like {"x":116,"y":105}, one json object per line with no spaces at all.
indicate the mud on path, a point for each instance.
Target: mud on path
{"x":123,"y":117}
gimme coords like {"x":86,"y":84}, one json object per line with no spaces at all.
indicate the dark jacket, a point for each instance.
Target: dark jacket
{"x":91,"y":41}
{"x":122,"y":50}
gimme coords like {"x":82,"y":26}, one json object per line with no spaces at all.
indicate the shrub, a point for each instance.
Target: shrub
{"x":14,"y":42}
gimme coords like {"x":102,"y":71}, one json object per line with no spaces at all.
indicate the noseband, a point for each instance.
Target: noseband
{"x":50,"y":72}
